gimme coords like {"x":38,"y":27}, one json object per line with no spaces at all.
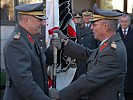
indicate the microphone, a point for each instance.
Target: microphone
{"x":55,"y":35}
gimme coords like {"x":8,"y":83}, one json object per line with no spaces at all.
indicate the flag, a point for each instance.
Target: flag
{"x":59,"y":15}
{"x":66,"y":24}
{"x":52,"y":12}
{"x":66,"y":69}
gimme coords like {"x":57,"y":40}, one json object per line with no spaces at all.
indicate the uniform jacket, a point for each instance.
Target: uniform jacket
{"x":128,"y":41}
{"x":105,"y":76}
{"x":85,"y":38}
{"x":26,"y":67}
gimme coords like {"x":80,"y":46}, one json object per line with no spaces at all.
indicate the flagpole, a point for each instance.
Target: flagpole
{"x":54,"y":58}
{"x":52,"y":12}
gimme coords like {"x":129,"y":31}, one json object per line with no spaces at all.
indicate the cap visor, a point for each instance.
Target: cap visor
{"x":42,"y":17}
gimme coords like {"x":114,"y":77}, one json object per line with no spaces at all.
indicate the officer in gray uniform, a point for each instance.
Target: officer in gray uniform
{"x":106,"y":65}
{"x":25,"y":61}
{"x":77,"y":17}
{"x":85,"y":35}
{"x":85,"y":38}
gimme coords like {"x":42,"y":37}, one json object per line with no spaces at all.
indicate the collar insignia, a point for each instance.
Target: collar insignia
{"x":103,"y":46}
{"x":30,"y":39}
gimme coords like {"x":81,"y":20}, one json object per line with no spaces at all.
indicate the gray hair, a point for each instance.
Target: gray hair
{"x":112,"y":24}
{"x":125,"y":15}
{"x":21,"y":16}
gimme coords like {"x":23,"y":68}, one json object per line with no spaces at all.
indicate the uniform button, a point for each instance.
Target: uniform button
{"x":82,"y":38}
{"x":41,"y":40}
{"x":8,"y":83}
{"x":119,"y":94}
{"x":46,"y":82}
{"x":41,"y":47}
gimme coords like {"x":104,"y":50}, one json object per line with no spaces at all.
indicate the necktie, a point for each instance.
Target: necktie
{"x":87,"y":25}
{"x":124,"y":33}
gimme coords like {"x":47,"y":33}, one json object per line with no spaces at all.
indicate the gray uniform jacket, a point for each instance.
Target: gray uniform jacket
{"x":85,"y":37}
{"x":104,"y":79}
{"x":26,"y":67}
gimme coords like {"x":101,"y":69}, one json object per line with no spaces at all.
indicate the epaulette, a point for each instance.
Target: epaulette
{"x":113,"y":45}
{"x":17,"y":36}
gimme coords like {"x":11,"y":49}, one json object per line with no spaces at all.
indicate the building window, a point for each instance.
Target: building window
{"x":7,"y":11}
{"x":112,"y":4}
{"x":116,"y":4}
{"x":8,"y":14}
{"x":130,"y":6}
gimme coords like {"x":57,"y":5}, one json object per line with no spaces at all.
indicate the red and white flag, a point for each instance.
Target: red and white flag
{"x":52,"y":12}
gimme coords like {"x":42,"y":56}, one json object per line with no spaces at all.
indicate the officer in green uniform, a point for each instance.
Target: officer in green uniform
{"x":25,"y":61}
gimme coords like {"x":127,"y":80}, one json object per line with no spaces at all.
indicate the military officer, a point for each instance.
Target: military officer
{"x":106,"y":65}
{"x":85,"y":37}
{"x":84,"y":34}
{"x":77,"y":17}
{"x":25,"y":61}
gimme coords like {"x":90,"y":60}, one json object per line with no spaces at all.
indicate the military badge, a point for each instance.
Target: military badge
{"x":17,"y":36}
{"x":103,"y":46}
{"x":113,"y":45}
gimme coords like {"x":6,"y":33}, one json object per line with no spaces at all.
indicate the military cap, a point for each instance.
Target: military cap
{"x":77,"y":15}
{"x":116,"y":10}
{"x":99,"y":14}
{"x":36,"y":9}
{"x":86,"y":12}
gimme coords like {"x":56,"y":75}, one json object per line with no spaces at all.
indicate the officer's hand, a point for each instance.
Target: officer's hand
{"x":54,"y":94}
{"x":56,"y":42}
{"x":61,"y":35}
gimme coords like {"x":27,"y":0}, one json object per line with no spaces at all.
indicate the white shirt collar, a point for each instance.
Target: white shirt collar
{"x":87,"y":25}
{"x":126,"y":30}
{"x":103,"y":41}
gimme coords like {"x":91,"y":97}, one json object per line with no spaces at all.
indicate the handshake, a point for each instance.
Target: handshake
{"x":58,"y":39}
{"x":54,"y":94}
